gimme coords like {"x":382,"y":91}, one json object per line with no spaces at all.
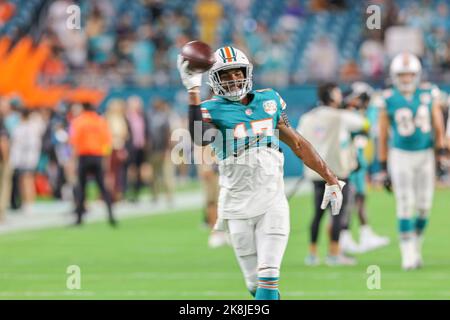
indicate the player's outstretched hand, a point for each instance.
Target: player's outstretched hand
{"x":190,"y":79}
{"x":333,"y":196}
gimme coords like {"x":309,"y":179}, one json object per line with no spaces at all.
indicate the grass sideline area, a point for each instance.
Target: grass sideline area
{"x":166,"y":257}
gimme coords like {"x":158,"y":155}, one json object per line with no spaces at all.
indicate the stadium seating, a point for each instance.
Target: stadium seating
{"x":343,"y":27}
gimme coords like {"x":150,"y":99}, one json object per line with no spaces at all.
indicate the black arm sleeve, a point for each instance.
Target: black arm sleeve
{"x":195,"y":117}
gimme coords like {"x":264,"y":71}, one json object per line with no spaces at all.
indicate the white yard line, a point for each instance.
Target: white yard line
{"x":60,"y":213}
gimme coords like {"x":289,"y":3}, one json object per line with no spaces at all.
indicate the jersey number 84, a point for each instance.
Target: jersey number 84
{"x":407,"y":123}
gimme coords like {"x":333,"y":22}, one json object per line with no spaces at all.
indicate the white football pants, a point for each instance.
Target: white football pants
{"x":413,"y":177}
{"x":259,"y":242}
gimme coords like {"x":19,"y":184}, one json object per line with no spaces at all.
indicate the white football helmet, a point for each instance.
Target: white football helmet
{"x":230,"y":58}
{"x":405,"y":63}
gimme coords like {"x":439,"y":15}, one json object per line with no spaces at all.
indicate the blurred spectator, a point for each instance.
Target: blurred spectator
{"x":63,"y":154}
{"x":75,"y":48}
{"x":350,"y":71}
{"x":290,"y":20}
{"x":125,"y":40}
{"x":57,"y":23}
{"x":137,"y":149}
{"x":241,"y":8}
{"x":274,"y":67}
{"x":389,"y":14}
{"x":209,"y":13}
{"x":160,"y":127}
{"x":57,"y":15}
{"x":118,"y":124}
{"x":322,"y":59}
{"x":237,"y":12}
{"x":11,"y":107}
{"x":7,"y":10}
{"x":185,"y":155}
{"x":172,"y":54}
{"x":154,"y":8}
{"x":47,"y":175}
{"x":417,"y":15}
{"x":372,"y":58}
{"x":106,"y":7}
{"x":174,"y":24}
{"x":161,"y":76}
{"x":124,"y":27}
{"x":208,"y":172}
{"x":100,"y":41}
{"x":442,"y":19}
{"x":318,"y":5}
{"x":256,"y":41}
{"x":143,"y":55}
{"x":68,"y":156}
{"x":26,"y":144}
{"x":322,"y":5}
{"x":139,"y":44}
{"x":54,"y":70}
{"x":5,"y":168}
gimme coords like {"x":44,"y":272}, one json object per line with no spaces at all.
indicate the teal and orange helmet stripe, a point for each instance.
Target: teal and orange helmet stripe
{"x":227,"y":54}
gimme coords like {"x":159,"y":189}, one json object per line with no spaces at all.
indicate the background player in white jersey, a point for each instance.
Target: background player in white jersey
{"x":252,"y":204}
{"x":358,"y":100}
{"x":411,"y":125}
{"x":329,"y":128}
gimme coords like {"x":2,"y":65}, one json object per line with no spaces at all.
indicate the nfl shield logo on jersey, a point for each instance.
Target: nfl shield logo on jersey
{"x":270,"y":107}
{"x":248,"y":112}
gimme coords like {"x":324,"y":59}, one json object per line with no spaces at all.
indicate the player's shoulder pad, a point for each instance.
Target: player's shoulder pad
{"x":426,"y":86}
{"x":431,"y":88}
{"x":387,"y":93}
{"x":264,"y":90}
{"x":379,"y":98}
{"x":272,"y":94}
{"x":210,"y":103}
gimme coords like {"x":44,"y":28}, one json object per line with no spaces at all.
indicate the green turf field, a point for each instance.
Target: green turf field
{"x":166,"y":257}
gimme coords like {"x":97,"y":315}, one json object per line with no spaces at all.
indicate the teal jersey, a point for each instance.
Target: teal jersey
{"x":244,"y":126}
{"x":411,"y":122}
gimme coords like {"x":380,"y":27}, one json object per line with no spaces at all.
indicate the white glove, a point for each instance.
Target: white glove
{"x":333,"y":195}
{"x":190,"y":79}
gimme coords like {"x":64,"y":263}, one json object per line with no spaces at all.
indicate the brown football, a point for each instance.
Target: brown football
{"x":199,"y":54}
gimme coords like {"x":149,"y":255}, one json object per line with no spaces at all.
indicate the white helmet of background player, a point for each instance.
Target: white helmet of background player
{"x":231,"y":58}
{"x":405,"y":63}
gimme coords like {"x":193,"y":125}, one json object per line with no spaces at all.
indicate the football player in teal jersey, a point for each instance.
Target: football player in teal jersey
{"x":411,"y":130}
{"x":244,"y":126}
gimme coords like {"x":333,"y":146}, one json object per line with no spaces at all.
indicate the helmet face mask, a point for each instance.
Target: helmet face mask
{"x":227,"y":59}
{"x":405,"y":71}
{"x":406,"y":81}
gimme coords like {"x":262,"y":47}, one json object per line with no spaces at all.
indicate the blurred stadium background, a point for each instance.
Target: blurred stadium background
{"x":128,"y":49}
